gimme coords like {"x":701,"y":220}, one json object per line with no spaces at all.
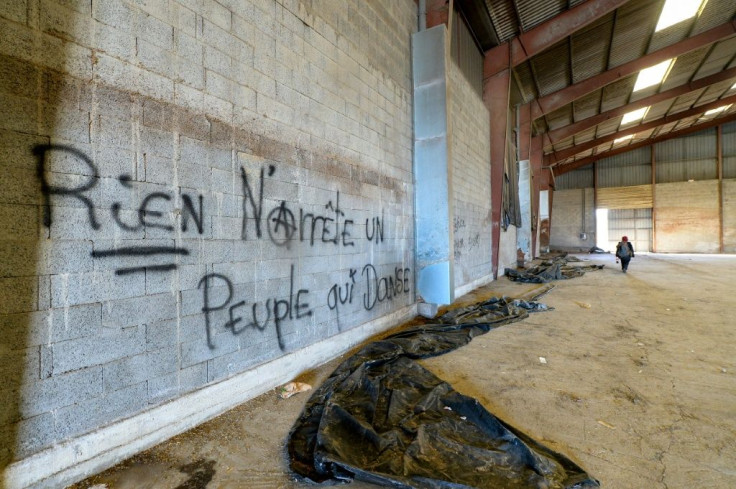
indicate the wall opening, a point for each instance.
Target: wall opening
{"x":601,"y":230}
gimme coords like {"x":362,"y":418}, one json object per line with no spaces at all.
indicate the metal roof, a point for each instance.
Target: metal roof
{"x":580,"y":85}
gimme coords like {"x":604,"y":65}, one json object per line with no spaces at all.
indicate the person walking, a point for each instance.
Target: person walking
{"x":624,"y":252}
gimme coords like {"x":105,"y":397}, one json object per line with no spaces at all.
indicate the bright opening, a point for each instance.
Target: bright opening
{"x":634,"y":116}
{"x":675,"y":11}
{"x":717,"y":110}
{"x":653,"y":75}
{"x":621,"y":140}
{"x":601,"y":230}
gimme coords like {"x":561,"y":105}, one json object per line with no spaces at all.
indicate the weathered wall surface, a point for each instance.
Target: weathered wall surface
{"x":190,"y":190}
{"x":687,"y":218}
{"x":471,"y":181}
{"x":729,"y":216}
{"x":572,"y":214}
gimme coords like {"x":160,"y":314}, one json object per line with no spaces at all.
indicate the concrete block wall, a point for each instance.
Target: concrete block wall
{"x":687,"y":217}
{"x":191,"y":189}
{"x":573,"y":213}
{"x":471,"y":182}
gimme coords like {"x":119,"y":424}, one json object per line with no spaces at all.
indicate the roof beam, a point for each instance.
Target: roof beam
{"x":557,"y":135}
{"x":544,"y":35}
{"x":560,"y":169}
{"x":579,"y":148}
{"x":553,"y":101}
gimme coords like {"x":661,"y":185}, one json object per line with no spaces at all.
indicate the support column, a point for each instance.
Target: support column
{"x":539,"y":180}
{"x":432,"y":167}
{"x":496,"y":90}
{"x":719,"y":153}
{"x":652,"y":158}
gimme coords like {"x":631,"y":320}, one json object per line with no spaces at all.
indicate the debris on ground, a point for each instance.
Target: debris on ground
{"x":584,"y":305}
{"x":292,"y":388}
{"x":383,"y":418}
{"x":548,"y":270}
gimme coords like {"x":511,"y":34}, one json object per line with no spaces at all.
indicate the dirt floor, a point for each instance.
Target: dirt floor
{"x":632,"y":376}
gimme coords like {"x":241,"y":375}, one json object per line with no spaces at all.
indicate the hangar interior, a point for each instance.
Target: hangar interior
{"x":203,"y":200}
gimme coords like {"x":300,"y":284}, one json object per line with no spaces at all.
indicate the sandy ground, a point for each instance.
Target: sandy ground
{"x":639,"y":386}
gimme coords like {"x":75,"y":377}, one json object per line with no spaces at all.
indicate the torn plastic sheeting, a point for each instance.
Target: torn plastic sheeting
{"x":547,"y":271}
{"x":382,"y":418}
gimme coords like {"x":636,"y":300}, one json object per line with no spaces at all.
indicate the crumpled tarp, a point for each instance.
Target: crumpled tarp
{"x":548,"y":270}
{"x":382,"y":418}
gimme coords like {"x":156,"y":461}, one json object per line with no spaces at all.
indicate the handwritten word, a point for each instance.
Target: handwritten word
{"x":285,"y":225}
{"x":149,"y":210}
{"x":275,"y":310}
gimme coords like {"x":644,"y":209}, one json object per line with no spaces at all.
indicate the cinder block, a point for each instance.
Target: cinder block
{"x":163,"y":388}
{"x":55,"y":257}
{"x":18,"y":294}
{"x":94,"y":413}
{"x":156,"y":31}
{"x":118,"y":15}
{"x":155,"y":58}
{"x":139,"y":310}
{"x":193,"y":377}
{"x":159,"y":170}
{"x":197,"y":351}
{"x":20,"y":367}
{"x":97,"y":286}
{"x":161,"y":334}
{"x":139,"y":368}
{"x":61,"y":390}
{"x":115,"y":42}
{"x":90,"y":351}
{"x":225,"y":181}
{"x":34,"y":434}
{"x":157,"y":86}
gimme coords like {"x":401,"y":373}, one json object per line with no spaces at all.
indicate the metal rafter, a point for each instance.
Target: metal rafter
{"x":567,"y":167}
{"x":548,"y":33}
{"x":557,"y":135}
{"x":579,"y":148}
{"x":549,"y":103}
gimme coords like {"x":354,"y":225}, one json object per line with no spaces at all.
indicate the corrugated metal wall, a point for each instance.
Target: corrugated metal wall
{"x":465,"y":53}
{"x":636,"y":224}
{"x":691,"y":157}
{"x":580,"y":178}
{"x":626,"y":169}
{"x":729,"y":150}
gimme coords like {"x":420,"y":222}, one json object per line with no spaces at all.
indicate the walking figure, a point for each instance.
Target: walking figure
{"x":624,"y":252}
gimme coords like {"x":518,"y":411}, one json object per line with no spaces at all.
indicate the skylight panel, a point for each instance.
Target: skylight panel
{"x":653,"y":75}
{"x":621,"y":140}
{"x":717,"y":110}
{"x":634,"y":116}
{"x":675,"y":11}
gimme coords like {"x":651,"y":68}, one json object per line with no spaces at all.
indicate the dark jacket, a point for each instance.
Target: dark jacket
{"x":624,"y":243}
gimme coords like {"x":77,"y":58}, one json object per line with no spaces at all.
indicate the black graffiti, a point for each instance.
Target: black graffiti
{"x":341,"y":295}
{"x":273,"y":310}
{"x":282,"y":225}
{"x":41,"y":151}
{"x":149,"y":212}
{"x":140,"y":251}
{"x":150,"y":268}
{"x":376,"y":229}
{"x":380,"y":289}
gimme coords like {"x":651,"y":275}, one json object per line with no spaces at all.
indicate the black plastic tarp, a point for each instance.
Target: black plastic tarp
{"x":383,"y":418}
{"x":556,"y":269}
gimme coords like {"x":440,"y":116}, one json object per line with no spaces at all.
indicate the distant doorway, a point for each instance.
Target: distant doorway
{"x":636,"y":224}
{"x":601,"y":230}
